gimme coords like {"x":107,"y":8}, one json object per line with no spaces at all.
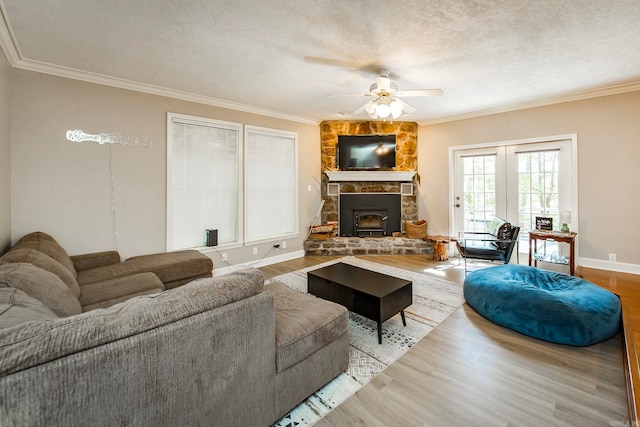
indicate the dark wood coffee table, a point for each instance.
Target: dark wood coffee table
{"x":376,"y":296}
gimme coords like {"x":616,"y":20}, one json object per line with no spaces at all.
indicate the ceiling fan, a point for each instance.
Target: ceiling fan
{"x":387,"y":96}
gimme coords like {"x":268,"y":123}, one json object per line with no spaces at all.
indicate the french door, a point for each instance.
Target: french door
{"x":516,"y":182}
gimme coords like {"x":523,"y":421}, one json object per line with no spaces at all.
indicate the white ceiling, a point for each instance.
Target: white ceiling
{"x":282,"y":57}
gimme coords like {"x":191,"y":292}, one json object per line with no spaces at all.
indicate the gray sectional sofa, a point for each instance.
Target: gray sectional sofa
{"x":227,"y":350}
{"x":100,"y":279}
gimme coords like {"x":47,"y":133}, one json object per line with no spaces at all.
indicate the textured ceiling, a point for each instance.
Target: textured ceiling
{"x":283,"y":57}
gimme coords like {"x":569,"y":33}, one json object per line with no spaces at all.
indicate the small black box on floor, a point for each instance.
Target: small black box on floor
{"x":212,"y":237}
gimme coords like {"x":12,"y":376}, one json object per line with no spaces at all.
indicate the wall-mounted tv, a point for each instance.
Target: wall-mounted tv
{"x":366,"y":152}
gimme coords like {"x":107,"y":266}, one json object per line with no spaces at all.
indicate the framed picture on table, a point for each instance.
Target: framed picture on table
{"x":544,"y":223}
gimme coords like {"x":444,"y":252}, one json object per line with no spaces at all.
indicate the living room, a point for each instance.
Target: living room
{"x":53,"y":175}
{"x":93,"y":197}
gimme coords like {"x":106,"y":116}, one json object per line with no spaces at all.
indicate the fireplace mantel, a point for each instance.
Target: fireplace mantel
{"x":371,"y":175}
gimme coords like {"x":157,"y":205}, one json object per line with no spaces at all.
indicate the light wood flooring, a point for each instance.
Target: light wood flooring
{"x":471,"y":372}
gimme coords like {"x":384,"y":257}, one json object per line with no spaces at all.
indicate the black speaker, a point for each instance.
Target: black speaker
{"x":212,"y":237}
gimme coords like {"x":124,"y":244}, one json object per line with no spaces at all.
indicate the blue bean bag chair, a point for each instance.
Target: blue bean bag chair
{"x":542,"y":304}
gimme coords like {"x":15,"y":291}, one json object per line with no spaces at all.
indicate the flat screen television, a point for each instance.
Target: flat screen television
{"x":366,"y":152}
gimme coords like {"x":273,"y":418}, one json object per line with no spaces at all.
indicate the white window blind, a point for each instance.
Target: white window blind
{"x":203,"y":181}
{"x":271,"y":204}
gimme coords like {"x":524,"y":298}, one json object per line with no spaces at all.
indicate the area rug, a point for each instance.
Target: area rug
{"x":433,"y":301}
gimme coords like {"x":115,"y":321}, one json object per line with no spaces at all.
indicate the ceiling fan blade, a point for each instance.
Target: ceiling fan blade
{"x":330,"y":61}
{"x":406,"y":107}
{"x":359,"y":110}
{"x":349,"y":94}
{"x":420,"y":92}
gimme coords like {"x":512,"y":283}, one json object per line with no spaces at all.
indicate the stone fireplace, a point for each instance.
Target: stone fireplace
{"x":369,"y":228}
{"x":377,"y":181}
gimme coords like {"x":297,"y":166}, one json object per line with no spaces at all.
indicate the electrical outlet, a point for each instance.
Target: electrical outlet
{"x":255,"y":250}
{"x":612,"y":257}
{"x":284,"y":244}
{"x":224,"y":256}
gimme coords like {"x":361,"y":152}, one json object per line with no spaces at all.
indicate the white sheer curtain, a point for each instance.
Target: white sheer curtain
{"x":204,"y":181}
{"x":271,"y":205}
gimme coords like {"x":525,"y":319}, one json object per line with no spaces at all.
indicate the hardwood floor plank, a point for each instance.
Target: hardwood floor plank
{"x":470,"y":371}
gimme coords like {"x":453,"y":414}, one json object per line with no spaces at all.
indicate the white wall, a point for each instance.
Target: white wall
{"x":64,"y":188}
{"x":5,"y":154}
{"x":608,"y":132}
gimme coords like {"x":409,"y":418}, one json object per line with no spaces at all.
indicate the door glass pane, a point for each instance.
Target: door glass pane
{"x":537,"y":189}
{"x":479,"y":191}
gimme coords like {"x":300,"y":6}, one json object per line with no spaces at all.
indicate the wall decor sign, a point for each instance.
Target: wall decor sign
{"x":543,"y":223}
{"x":78,"y":135}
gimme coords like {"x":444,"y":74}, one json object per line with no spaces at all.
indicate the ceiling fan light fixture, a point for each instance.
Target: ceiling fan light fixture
{"x":396,"y":106}
{"x":385,"y":103}
{"x":383,"y":110}
{"x":370,"y":107}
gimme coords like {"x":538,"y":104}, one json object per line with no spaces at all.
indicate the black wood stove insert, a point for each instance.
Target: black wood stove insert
{"x":369,"y":215}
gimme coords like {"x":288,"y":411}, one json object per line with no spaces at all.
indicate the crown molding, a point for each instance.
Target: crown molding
{"x":15,"y":58}
{"x":577,"y":96}
{"x":7,"y":40}
{"x":101,"y":79}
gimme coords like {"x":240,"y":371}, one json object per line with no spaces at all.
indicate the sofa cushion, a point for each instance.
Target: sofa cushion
{"x":42,"y":285}
{"x":45,"y":262}
{"x":38,"y":343}
{"x":170,"y":267}
{"x":95,"y":260}
{"x":17,"y":307}
{"x":109,"y":292}
{"x":304,"y":324}
{"x":47,"y":245}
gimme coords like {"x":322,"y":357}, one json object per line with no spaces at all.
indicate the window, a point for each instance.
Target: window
{"x":538,"y":186}
{"x":247,"y":190}
{"x":479,"y":191}
{"x":271,"y":184}
{"x":203,"y":181}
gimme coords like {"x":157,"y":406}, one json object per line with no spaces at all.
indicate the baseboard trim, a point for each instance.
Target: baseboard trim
{"x":267,"y":261}
{"x":620,"y":267}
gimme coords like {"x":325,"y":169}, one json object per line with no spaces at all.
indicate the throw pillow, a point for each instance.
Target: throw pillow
{"x":45,"y":262}
{"x":504,"y":232}
{"x":47,"y":245}
{"x":501,"y":230}
{"x":42,"y":285}
{"x":17,"y":307}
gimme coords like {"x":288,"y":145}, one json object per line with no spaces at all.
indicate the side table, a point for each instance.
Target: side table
{"x":440,"y":244}
{"x":556,"y":236}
